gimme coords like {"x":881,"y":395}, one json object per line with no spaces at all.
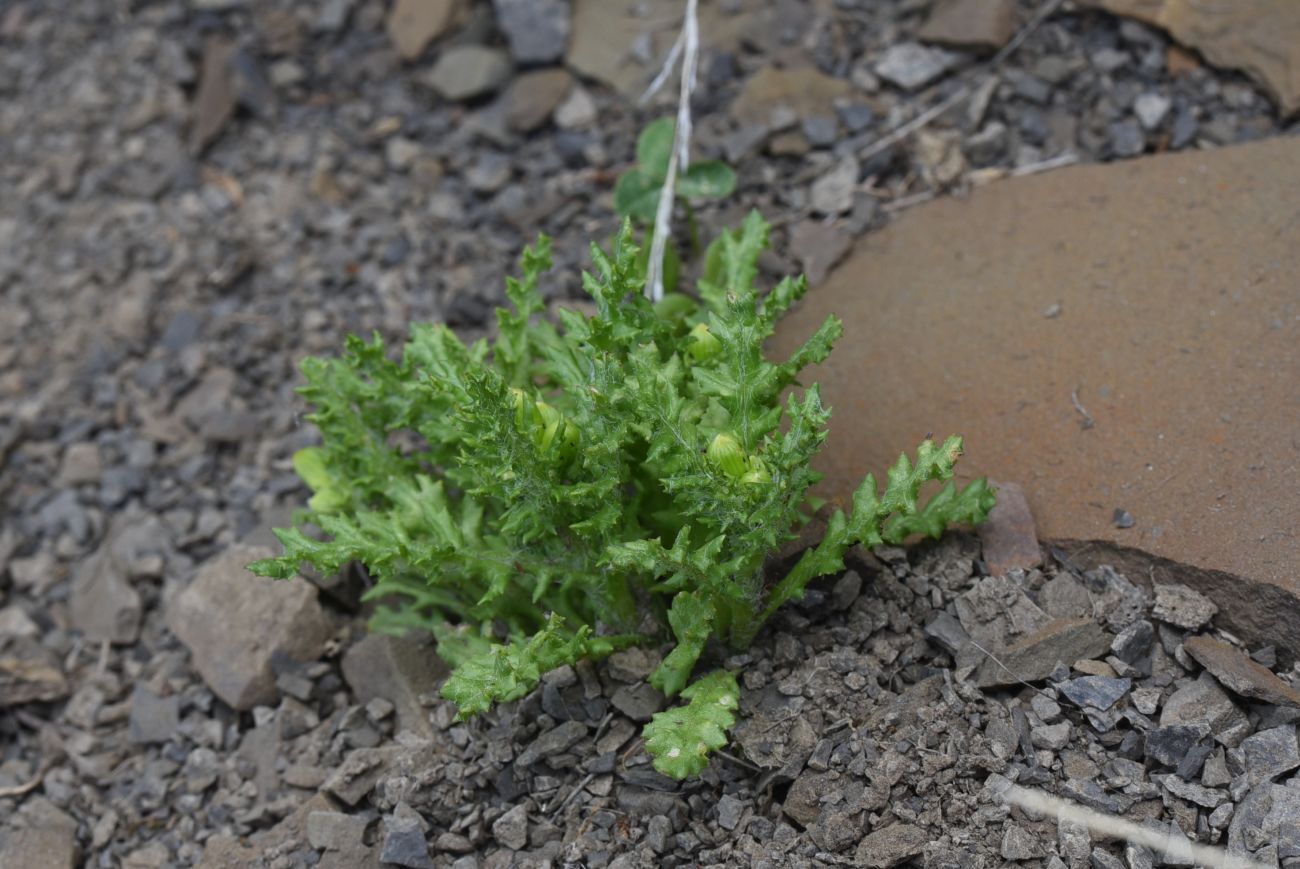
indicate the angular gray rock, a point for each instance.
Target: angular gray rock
{"x":910,"y":65}
{"x":638,"y":702}
{"x":397,"y":670}
{"x":1064,"y":598}
{"x":1052,"y":737}
{"x":947,"y":633}
{"x":1270,"y":753}
{"x":553,"y":741}
{"x":1194,"y":793}
{"x":1178,"y":605}
{"x":730,"y":810}
{"x":1116,"y":601}
{"x":1169,"y":745}
{"x":404,"y":842}
{"x":103,"y":604}
{"x":1018,"y":844}
{"x":1133,"y":643}
{"x":1203,"y":702}
{"x":153,"y":718}
{"x":1036,"y":656}
{"x":1098,"y":692}
{"x":335,"y":831}
{"x":1075,"y":843}
{"x":537,"y":30}
{"x":832,"y":193}
{"x":234,"y":623}
{"x":465,"y":72}
{"x":511,"y":829}
{"x":891,"y":846}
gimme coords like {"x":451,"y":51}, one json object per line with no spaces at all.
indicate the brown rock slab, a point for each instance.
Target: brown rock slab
{"x":532,"y":97}
{"x":1034,"y":657}
{"x":977,"y":24}
{"x":413,"y":24}
{"x":1259,"y":37}
{"x":234,"y":622}
{"x":1008,"y":536}
{"x":1175,"y":277}
{"x":399,"y":671}
{"x":1238,"y":673}
{"x":805,"y":91}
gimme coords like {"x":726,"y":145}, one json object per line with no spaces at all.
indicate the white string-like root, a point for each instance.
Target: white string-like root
{"x":1118,"y":828}
{"x":687,"y":47}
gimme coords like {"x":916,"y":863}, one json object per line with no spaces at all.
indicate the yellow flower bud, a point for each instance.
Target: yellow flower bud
{"x":726,"y":453}
{"x":757,"y":472}
{"x":703,"y":343}
{"x":520,"y":401}
{"x":549,"y":421}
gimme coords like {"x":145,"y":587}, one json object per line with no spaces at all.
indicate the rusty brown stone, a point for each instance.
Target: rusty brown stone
{"x":413,"y":24}
{"x":1259,"y":37}
{"x":1008,"y":536}
{"x":1175,"y":333}
{"x":806,"y":91}
{"x":532,"y":97}
{"x":1238,"y":673}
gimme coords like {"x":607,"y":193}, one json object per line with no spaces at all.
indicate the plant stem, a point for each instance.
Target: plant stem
{"x":694,"y":227}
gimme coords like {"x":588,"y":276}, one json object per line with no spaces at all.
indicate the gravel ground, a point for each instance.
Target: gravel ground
{"x":174,"y":240}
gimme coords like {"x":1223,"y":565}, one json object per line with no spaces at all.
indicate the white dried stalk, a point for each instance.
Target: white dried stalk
{"x":687,"y":47}
{"x":1118,"y":828}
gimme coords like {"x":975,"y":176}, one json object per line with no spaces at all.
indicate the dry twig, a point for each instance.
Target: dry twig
{"x":687,"y":47}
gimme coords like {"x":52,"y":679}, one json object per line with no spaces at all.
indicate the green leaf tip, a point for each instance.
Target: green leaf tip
{"x":509,"y":671}
{"x":681,"y":739}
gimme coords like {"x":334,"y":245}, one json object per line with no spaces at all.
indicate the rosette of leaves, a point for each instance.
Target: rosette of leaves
{"x":573,"y":488}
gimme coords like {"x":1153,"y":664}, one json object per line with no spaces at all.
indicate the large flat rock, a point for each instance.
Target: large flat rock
{"x":1259,"y":37}
{"x":1178,"y":327}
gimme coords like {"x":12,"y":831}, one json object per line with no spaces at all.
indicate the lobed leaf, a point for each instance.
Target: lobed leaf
{"x":508,"y":672}
{"x":681,"y":739}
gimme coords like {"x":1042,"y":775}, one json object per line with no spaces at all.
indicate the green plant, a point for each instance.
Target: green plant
{"x":637,"y":192}
{"x":636,"y":195}
{"x":617,"y":480}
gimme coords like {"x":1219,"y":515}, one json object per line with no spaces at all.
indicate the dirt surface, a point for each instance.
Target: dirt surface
{"x":195,"y":195}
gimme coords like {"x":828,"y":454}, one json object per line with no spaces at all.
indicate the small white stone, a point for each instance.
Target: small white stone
{"x":1151,"y":109}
